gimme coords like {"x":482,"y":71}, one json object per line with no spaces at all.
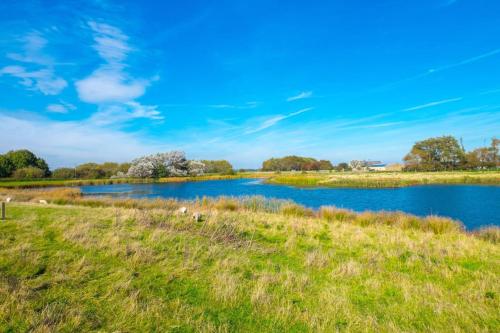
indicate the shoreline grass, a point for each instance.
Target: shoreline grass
{"x":254,"y":204}
{"x":385,"y":179}
{"x":254,"y":265}
{"x":310,"y":179}
{"x":26,"y":184}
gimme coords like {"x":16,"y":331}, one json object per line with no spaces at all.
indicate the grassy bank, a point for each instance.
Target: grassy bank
{"x":385,"y":179}
{"x":9,"y":183}
{"x":249,"y":265}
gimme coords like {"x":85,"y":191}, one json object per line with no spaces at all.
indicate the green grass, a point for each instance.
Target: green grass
{"x":385,"y":179}
{"x":249,"y":265}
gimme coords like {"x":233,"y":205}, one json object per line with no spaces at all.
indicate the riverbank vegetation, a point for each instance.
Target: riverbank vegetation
{"x":98,"y":264}
{"x":296,"y":163}
{"x":439,"y":160}
{"x":35,"y":183}
{"x":385,"y":179}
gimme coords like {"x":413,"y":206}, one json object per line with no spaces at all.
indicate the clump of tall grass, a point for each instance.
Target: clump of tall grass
{"x":491,"y":234}
{"x":262,"y":204}
{"x":331,"y":213}
{"x":292,"y":209}
{"x":225,"y":203}
{"x":250,"y":203}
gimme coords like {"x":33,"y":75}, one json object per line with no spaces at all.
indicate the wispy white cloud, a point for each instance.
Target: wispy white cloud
{"x":116,"y":114}
{"x":247,"y":105}
{"x":110,"y":43}
{"x":62,"y":107}
{"x":43,"y":80}
{"x":431,"y":104}
{"x":37,"y":72}
{"x":110,"y":86}
{"x":302,"y":95}
{"x":274,"y":120}
{"x":465,"y":62}
{"x":33,"y":45}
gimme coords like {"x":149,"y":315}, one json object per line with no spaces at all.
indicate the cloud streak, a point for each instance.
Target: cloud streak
{"x":431,"y":104}
{"x":275,"y":120}
{"x":302,"y":95}
{"x":433,"y":71}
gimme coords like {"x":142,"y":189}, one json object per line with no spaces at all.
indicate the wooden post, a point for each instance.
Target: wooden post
{"x":3,"y":210}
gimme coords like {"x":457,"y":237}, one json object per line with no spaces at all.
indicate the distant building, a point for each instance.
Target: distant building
{"x":367,"y":165}
{"x":377,"y":167}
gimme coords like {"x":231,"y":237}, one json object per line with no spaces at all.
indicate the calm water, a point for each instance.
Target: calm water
{"x":474,"y":205}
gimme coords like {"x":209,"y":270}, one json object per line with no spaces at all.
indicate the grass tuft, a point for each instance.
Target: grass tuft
{"x":491,"y":234}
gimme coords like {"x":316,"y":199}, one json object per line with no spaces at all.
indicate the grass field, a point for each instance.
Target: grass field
{"x":385,"y":179}
{"x":250,"y":265}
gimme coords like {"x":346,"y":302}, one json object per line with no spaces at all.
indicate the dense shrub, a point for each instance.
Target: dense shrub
{"x":219,"y":166}
{"x":64,"y":173}
{"x":29,"y":173}
{"x":90,"y":171}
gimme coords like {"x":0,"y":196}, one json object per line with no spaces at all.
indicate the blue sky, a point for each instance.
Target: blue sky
{"x":246,"y":80}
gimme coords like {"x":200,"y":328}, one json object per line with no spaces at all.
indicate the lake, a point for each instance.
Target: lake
{"x":474,"y":205}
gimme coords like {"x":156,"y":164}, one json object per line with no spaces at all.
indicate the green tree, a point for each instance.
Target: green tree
{"x":325,"y":165}
{"x":218,"y":166}
{"x":90,"y":171}
{"x":24,"y":158}
{"x":289,"y":163}
{"x":6,"y":166}
{"x":435,"y":154}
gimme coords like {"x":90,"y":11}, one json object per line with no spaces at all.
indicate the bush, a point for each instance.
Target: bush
{"x":64,"y":173}
{"x":29,"y":173}
{"x":221,"y":166}
{"x":90,"y":171}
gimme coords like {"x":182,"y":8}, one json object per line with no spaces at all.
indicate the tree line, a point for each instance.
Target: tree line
{"x":433,"y":154}
{"x":446,"y":153}
{"x":23,"y":164}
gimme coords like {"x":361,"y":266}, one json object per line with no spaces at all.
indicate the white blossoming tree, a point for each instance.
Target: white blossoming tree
{"x":170,"y":164}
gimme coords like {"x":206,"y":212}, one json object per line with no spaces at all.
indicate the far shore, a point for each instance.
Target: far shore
{"x":332,"y":179}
